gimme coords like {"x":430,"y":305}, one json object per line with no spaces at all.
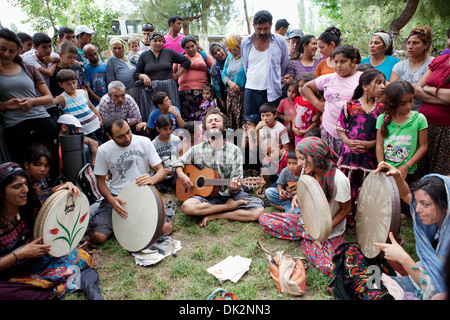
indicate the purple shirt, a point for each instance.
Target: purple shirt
{"x":279,"y":59}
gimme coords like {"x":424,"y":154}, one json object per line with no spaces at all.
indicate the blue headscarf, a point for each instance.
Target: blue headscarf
{"x":218,"y":66}
{"x":433,"y":260}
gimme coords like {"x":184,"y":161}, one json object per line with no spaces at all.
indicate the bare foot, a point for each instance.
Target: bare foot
{"x":236,"y":203}
{"x":204,"y":221}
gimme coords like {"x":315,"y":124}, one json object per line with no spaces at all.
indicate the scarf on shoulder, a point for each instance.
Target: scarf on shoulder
{"x":432,"y":259}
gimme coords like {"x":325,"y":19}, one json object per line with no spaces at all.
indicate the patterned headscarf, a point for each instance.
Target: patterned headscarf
{"x":156,"y":35}
{"x":116,"y":40}
{"x":7,"y":169}
{"x":316,"y":147}
{"x":385,"y":37}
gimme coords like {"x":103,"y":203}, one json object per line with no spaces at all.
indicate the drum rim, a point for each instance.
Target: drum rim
{"x":41,"y":218}
{"x":326,"y":230}
{"x":159,"y":222}
{"x":395,"y":221}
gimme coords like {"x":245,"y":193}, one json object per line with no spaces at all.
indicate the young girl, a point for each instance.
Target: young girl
{"x":338,"y":88}
{"x":328,"y":41}
{"x":401,"y":133}
{"x":37,"y":165}
{"x":207,"y":102}
{"x":356,"y":128}
{"x":305,"y":112}
{"x":286,"y":110}
{"x":135,"y":52}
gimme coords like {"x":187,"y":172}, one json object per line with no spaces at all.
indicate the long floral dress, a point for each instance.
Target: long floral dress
{"x":358,"y":124}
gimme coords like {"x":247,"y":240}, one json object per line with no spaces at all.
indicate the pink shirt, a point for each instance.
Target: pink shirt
{"x":196,"y":76}
{"x":337,"y":91}
{"x":174,"y":44}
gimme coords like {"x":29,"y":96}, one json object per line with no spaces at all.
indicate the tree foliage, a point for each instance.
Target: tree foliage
{"x":358,"y":19}
{"x":45,"y":15}
{"x":200,"y":16}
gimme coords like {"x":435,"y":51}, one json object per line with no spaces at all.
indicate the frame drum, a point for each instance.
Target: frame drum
{"x":314,"y":208}
{"x":62,"y":221}
{"x":378,"y":213}
{"x":145,"y":220}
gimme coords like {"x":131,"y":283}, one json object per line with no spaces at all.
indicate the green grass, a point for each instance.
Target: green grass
{"x":185,"y":277}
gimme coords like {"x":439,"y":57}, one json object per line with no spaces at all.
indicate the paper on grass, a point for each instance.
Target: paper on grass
{"x":148,"y":257}
{"x":232,"y":268}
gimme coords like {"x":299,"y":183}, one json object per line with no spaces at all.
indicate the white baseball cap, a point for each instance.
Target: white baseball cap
{"x":69,"y":119}
{"x":83,"y":29}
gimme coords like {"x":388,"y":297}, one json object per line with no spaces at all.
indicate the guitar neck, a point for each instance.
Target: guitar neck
{"x":219,"y":182}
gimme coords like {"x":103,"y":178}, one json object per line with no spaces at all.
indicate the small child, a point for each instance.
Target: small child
{"x":270,"y":127}
{"x":207,"y":102}
{"x":37,"y":162}
{"x":75,"y":101}
{"x":135,"y":51}
{"x":68,"y":53}
{"x":401,"y":133}
{"x":356,"y":128}
{"x":306,"y":115}
{"x":282,"y":194}
{"x":275,"y":160}
{"x":286,"y":111}
{"x":163,"y":106}
{"x":167,"y":146}
{"x":249,"y":143}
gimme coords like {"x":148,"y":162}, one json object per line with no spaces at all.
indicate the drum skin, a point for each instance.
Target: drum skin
{"x":62,"y":221}
{"x":378,"y":213}
{"x":145,"y":220}
{"x":314,"y":208}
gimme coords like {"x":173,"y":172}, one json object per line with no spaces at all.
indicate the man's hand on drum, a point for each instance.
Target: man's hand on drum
{"x":145,"y":180}
{"x":73,"y":190}
{"x":116,"y":203}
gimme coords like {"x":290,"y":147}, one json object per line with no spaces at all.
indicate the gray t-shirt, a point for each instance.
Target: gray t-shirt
{"x":117,"y":69}
{"x":286,"y":176}
{"x":168,"y":151}
{"x":20,"y":85}
{"x":403,"y":69}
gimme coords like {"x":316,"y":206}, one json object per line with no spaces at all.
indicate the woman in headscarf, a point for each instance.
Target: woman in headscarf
{"x":233,"y":76}
{"x":27,"y":271}
{"x":320,"y":163}
{"x":118,"y":66}
{"x":220,"y":54}
{"x":429,"y":200}
{"x":381,"y":50}
{"x":154,"y":68}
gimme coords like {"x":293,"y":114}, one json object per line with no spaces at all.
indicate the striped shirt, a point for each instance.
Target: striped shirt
{"x":78,"y":106}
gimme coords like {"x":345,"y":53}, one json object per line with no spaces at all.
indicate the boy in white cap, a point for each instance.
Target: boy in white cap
{"x":83,"y":36}
{"x":68,"y":124}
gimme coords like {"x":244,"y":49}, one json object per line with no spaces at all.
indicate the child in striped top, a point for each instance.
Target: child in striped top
{"x":76,"y":102}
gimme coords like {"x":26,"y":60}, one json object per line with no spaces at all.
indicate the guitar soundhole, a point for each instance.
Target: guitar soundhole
{"x":200,"y":182}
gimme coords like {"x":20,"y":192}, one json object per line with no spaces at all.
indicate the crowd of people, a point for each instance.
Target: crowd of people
{"x":267,"y":105}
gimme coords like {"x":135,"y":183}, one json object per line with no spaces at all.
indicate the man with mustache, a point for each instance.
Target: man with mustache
{"x":265,"y":56}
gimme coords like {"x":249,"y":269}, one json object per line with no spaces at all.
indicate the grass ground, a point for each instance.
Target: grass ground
{"x":185,"y":276}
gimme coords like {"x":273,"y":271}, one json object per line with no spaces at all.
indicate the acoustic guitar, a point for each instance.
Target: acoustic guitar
{"x":207,"y":183}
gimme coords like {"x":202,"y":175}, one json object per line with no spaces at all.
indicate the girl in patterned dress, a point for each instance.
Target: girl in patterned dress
{"x":356,"y":128}
{"x":319,"y":162}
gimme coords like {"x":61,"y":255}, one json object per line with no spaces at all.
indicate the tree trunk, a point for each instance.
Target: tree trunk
{"x":403,"y":19}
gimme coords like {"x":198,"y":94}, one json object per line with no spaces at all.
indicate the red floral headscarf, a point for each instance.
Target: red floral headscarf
{"x":316,"y":147}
